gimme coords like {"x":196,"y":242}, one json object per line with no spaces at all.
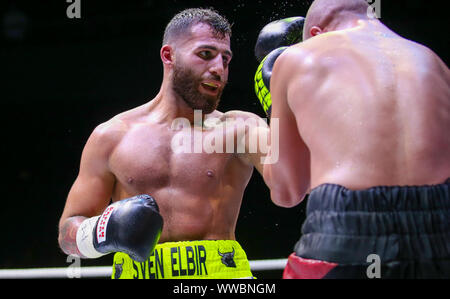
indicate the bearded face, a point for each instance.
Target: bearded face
{"x":194,"y":91}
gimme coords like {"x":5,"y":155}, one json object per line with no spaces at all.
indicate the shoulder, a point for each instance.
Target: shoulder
{"x":431,"y":60}
{"x":236,"y":121}
{"x":239,"y":115}
{"x":107,"y":135}
{"x":110,"y":129}
{"x":296,"y":58}
{"x":232,"y":115}
{"x":104,"y":138}
{"x":122,"y":122}
{"x":306,"y":63}
{"x":309,"y":54}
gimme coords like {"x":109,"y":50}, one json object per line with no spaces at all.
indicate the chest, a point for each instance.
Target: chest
{"x":159,"y":157}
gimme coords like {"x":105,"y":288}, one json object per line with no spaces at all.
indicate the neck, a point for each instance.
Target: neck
{"x":373,"y":25}
{"x":345,"y":24}
{"x":168,"y":106}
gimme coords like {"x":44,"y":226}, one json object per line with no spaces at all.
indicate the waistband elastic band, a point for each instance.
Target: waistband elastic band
{"x":217,"y":259}
{"x":394,"y":222}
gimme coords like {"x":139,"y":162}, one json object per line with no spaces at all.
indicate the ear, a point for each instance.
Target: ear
{"x":315,"y":31}
{"x":167,"y":55}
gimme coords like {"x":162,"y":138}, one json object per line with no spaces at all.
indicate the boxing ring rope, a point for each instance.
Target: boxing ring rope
{"x":106,"y":271}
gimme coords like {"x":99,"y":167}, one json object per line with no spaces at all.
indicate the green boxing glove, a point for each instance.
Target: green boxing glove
{"x":272,"y":40}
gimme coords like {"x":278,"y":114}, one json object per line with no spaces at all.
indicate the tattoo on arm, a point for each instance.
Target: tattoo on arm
{"x":68,"y":235}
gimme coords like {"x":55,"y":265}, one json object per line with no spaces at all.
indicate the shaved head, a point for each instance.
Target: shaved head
{"x":326,"y":13}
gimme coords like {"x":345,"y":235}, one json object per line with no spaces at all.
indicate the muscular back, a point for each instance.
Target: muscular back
{"x":372,"y":108}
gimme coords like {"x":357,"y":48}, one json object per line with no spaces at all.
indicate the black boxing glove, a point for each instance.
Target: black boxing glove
{"x":132,"y":225}
{"x":272,"y":40}
{"x":279,"y":33}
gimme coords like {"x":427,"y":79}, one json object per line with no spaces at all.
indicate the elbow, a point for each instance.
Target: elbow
{"x":62,"y":242}
{"x":67,"y":235}
{"x":286,"y":199}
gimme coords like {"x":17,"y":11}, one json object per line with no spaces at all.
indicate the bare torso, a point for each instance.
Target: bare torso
{"x":380,"y":114}
{"x":199,"y":194}
{"x":198,"y":190}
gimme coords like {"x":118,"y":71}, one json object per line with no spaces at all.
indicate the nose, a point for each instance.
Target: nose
{"x":217,"y":67}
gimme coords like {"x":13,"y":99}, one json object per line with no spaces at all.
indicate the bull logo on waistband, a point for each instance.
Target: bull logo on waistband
{"x":118,"y":269}
{"x":227,"y":258}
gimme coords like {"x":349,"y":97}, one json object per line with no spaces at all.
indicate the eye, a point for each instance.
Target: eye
{"x":205,"y":54}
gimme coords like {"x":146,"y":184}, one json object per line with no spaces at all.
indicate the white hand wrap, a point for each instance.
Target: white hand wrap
{"x":85,"y":241}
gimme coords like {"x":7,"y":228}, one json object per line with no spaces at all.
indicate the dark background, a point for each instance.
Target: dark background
{"x":62,"y":77}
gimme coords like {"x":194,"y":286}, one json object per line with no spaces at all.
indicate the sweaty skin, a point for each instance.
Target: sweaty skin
{"x":359,"y":107}
{"x":198,"y":194}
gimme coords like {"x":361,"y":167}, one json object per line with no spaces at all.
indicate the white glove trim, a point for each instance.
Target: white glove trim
{"x":85,"y":241}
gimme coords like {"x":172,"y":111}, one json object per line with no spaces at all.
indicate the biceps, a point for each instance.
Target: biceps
{"x":89,"y":195}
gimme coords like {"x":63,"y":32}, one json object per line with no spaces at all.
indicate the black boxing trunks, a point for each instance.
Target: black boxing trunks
{"x":380,"y":232}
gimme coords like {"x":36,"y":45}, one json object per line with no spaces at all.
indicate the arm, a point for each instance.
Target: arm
{"x":252,"y":138}
{"x":288,"y":177}
{"x":115,"y":229}
{"x":91,"y":191}
{"x":272,"y":41}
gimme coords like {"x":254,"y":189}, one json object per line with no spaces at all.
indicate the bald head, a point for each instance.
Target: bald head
{"x":326,"y":15}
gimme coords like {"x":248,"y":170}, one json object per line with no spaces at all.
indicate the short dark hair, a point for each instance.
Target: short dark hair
{"x":182,"y":22}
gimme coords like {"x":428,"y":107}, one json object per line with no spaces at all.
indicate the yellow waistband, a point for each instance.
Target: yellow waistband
{"x":218,"y":259}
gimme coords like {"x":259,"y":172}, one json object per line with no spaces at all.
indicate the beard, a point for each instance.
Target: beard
{"x":186,"y":85}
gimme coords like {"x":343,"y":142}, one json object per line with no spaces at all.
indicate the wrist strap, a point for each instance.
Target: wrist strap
{"x":85,"y":241}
